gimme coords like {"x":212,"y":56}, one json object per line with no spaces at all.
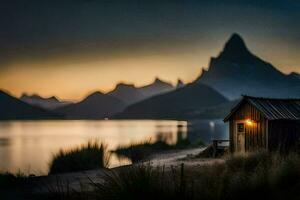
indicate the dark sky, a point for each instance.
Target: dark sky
{"x":110,"y":37}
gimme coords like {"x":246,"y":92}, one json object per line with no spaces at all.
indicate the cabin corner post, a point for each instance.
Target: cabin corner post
{"x":267,"y":135}
{"x":231,"y":138}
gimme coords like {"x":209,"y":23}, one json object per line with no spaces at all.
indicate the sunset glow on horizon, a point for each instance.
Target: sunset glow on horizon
{"x":71,"y":49}
{"x":73,"y":81}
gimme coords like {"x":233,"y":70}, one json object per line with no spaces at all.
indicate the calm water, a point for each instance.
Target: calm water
{"x":28,"y":146}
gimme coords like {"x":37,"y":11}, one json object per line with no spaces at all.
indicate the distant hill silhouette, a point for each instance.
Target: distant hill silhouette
{"x":175,"y":104}
{"x":130,"y":94}
{"x":46,"y":103}
{"x":155,"y":88}
{"x":99,"y":105}
{"x":95,"y":106}
{"x":13,"y":108}
{"x":237,"y":71}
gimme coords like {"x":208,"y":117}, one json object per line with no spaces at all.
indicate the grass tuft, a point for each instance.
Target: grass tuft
{"x":93,"y":155}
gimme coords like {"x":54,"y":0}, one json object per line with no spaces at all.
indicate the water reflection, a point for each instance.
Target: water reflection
{"x":29,"y":145}
{"x":207,"y":130}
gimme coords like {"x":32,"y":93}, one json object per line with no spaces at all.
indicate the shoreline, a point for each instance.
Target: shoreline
{"x":83,"y":179}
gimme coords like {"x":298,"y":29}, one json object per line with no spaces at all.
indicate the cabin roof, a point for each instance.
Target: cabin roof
{"x":272,"y":109}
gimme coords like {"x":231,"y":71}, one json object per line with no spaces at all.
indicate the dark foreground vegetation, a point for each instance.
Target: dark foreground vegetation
{"x":12,"y":185}
{"x":256,"y":176}
{"x":92,"y":155}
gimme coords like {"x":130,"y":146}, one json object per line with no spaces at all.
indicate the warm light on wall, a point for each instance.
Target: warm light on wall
{"x":249,"y":122}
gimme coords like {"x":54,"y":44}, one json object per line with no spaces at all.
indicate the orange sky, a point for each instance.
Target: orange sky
{"x":69,"y":79}
{"x":71,"y":48}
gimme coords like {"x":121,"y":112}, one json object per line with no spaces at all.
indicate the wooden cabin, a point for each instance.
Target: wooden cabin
{"x":264,"y":124}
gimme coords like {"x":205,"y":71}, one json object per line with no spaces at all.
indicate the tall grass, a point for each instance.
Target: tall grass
{"x":261,"y":175}
{"x":93,"y":155}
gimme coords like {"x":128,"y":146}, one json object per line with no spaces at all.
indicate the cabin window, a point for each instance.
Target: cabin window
{"x":240,"y":127}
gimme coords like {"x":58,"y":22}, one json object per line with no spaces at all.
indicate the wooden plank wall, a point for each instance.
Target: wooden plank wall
{"x":255,"y":135}
{"x":284,"y":135}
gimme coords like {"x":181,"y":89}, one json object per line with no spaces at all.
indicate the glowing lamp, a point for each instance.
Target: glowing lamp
{"x":249,"y":122}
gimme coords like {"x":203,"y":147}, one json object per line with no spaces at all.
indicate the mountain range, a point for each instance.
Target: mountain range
{"x":130,"y":94}
{"x":174,"y":104}
{"x":95,"y":106}
{"x":235,"y":71}
{"x":100,"y":105}
{"x":46,"y":103}
{"x":13,"y":108}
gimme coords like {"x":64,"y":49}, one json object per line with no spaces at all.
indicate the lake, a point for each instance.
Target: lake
{"x":28,"y":146}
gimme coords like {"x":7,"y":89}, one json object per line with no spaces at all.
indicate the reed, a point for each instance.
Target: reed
{"x":93,"y":155}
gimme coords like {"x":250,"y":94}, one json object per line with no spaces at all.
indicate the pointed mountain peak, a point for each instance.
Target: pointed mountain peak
{"x":53,"y":98}
{"x":235,"y":41}
{"x":203,"y":71}
{"x":179,"y":83}
{"x":235,"y":49}
{"x":24,"y":95}
{"x":157,"y":80}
